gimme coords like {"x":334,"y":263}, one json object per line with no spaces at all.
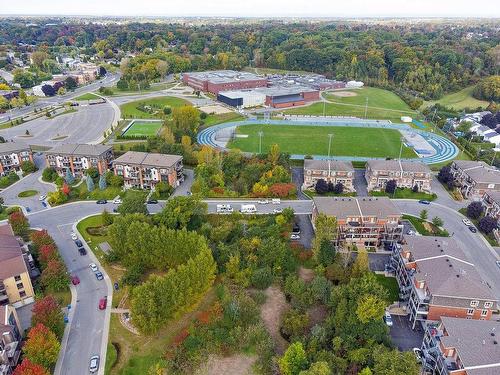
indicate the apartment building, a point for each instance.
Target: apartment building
{"x":144,"y":170}
{"x":475,"y":177}
{"x":333,"y":171}
{"x":435,"y":279}
{"x":12,"y":154}
{"x":462,"y":347}
{"x":491,"y":203}
{"x":364,"y":222}
{"x":10,"y":339}
{"x":406,"y":173}
{"x":15,"y":281}
{"x":77,"y":158}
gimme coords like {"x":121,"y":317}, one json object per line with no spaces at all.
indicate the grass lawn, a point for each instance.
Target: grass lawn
{"x":313,"y":193}
{"x":405,"y":194}
{"x":27,"y":193}
{"x":420,"y":228}
{"x":122,"y":147}
{"x":223,"y":117}
{"x":391,"y":284}
{"x":111,"y":357}
{"x":87,"y":96}
{"x":143,"y":129}
{"x":154,"y":87}
{"x":459,"y":100}
{"x":131,"y":110}
{"x":310,"y":140}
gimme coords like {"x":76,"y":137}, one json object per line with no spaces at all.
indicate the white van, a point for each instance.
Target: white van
{"x":248,"y":209}
{"x":276,"y":201}
{"x":224,"y":208}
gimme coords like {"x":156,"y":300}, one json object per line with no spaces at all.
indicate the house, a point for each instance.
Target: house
{"x":10,"y":339}
{"x":475,"y":177}
{"x":77,"y":158}
{"x":435,"y":279}
{"x":462,"y":347}
{"x":9,"y":94}
{"x":482,"y":130}
{"x":406,"y":173}
{"x":144,"y":170}
{"x":333,"y":171}
{"x":364,"y":222}
{"x":12,"y":154}
{"x":15,"y":282}
{"x":491,"y":203}
{"x":492,"y":137}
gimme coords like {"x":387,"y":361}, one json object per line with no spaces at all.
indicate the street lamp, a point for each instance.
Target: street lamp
{"x":330,"y":136}
{"x":366,"y":108}
{"x":261,"y":133}
{"x":401,"y":148}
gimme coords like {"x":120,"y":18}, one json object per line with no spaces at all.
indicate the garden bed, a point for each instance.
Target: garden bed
{"x":425,"y":228}
{"x":405,"y":193}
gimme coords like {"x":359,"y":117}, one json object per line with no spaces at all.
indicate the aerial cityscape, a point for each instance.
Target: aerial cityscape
{"x":232,"y":189}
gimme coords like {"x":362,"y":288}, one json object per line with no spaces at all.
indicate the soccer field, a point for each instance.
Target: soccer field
{"x":143,"y":129}
{"x":313,"y":140}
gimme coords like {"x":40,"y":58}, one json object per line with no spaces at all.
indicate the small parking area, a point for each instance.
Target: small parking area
{"x":306,"y":230}
{"x":403,"y":337}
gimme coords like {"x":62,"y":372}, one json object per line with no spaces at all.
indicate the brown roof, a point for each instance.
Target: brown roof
{"x":341,"y":208}
{"x":11,"y":255}
{"x":398,"y":165}
{"x":148,"y":159}
{"x":323,"y":165}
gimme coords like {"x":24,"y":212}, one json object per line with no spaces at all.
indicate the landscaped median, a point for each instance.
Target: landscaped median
{"x":425,"y":228}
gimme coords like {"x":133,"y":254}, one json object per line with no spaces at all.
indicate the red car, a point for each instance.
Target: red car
{"x":103,"y":303}
{"x":75,"y":280}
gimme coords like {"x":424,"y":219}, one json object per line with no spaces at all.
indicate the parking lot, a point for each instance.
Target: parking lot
{"x":403,"y":337}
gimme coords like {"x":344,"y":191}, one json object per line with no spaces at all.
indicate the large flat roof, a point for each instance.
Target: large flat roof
{"x":79,"y":149}
{"x":398,"y":165}
{"x":324,"y":165}
{"x":225,"y":76}
{"x":13,"y":146}
{"x":345,"y":207}
{"x":148,"y":159}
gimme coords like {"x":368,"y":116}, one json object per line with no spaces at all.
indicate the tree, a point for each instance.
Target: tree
{"x":394,"y":362}
{"x":361,"y":265}
{"x":317,"y":368}
{"x":294,"y":360}
{"x":102,"y":182}
{"x":48,"y":90}
{"x":114,"y":180}
{"x":28,"y":167}
{"x":167,"y":110}
{"x":133,"y":202}
{"x":48,"y":312}
{"x":437,"y":221}
{"x":326,"y":227}
{"x":93,"y":172}
{"x":390,"y":186}
{"x":69,"y":178}
{"x":186,"y":119}
{"x":163,"y":189}
{"x":19,"y":223}
{"x":90,"y":184}
{"x":182,"y":212}
{"x":274,"y":154}
{"x":475,"y":210}
{"x":321,"y":186}
{"x":423,"y":214}
{"x":49,"y":174}
{"x":26,"y":367}
{"x":107,"y":218}
{"x":61,"y":91}
{"x":488,"y":89}
{"x":326,"y":253}
{"x":487,"y":224}
{"x":42,"y":346}
{"x":70,"y":83}
{"x":338,"y":188}
{"x":415,"y":188}
{"x":46,"y":253}
{"x":54,"y":277}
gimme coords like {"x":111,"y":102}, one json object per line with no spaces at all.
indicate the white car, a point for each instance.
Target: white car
{"x":388,"y":319}
{"x":278,"y":211}
{"x":74,"y":237}
{"x":418,"y":354}
{"x":42,"y":197}
{"x":264,"y":201}
{"x":467,"y":222}
{"x":294,"y":237}
{"x":117,"y":201}
{"x":94,"y":364}
{"x":93,"y":267}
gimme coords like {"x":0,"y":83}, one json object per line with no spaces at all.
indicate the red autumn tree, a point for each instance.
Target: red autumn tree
{"x":48,"y":312}
{"x":54,"y":276}
{"x":282,"y":190}
{"x":19,"y":223}
{"x":66,"y":189}
{"x":40,"y":238}
{"x":46,"y":253}
{"x":42,"y":346}
{"x":29,"y":368}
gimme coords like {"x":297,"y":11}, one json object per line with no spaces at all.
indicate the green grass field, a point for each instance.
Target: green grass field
{"x":131,"y":110}
{"x":459,"y":100}
{"x":143,"y":129}
{"x":310,"y":140}
{"x":87,"y":96}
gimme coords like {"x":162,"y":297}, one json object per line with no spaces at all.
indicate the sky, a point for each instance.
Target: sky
{"x":257,"y":8}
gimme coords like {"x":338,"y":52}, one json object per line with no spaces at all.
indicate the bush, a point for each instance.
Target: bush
{"x":487,"y":224}
{"x":49,"y":174}
{"x":475,"y":210}
{"x":321,"y":186}
{"x":9,"y":179}
{"x":262,"y":278}
{"x":28,"y":167}
{"x":390,"y":187}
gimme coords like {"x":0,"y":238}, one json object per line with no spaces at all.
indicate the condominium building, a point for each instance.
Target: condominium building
{"x":10,"y":339}
{"x":435,"y":279}
{"x":365,"y":222}
{"x":15,"y":281}
{"x":475,"y":177}
{"x":462,"y":347}
{"x":12,"y":154}
{"x":333,"y":171}
{"x":407,"y":174}
{"x":491,"y":203}
{"x":144,"y":170}
{"x":77,"y":158}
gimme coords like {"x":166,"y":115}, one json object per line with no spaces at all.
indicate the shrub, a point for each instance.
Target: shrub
{"x":487,"y":224}
{"x":321,"y":186}
{"x":49,"y":175}
{"x":262,"y":278}
{"x":28,"y":167}
{"x":475,"y":210}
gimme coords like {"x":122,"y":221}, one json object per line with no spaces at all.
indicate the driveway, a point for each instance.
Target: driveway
{"x":298,"y":180}
{"x":402,"y":336}
{"x":360,"y":183}
{"x":186,"y":185}
{"x":306,"y":230}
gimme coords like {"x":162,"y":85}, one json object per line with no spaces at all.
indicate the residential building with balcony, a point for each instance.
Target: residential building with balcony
{"x":475,"y":177}
{"x":12,"y":154}
{"x":491,"y":203}
{"x":435,"y":279}
{"x":364,"y":222}
{"x":333,"y":171}
{"x":15,"y":281}
{"x":10,"y":339}
{"x":77,"y":158}
{"x":407,"y":174}
{"x":457,"y":346}
{"x":144,"y":170}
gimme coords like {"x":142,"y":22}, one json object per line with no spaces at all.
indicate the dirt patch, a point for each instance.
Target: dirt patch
{"x":317,"y":314}
{"x":306,"y":274}
{"x":343,"y":94}
{"x":238,"y":364}
{"x":217,"y":109}
{"x":271,"y":313}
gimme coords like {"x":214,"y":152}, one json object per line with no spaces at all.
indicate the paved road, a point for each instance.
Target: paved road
{"x":360,"y":184}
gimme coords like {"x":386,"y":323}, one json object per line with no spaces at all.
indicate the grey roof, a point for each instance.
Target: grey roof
{"x":479,"y":171}
{"x":324,"y":165}
{"x":79,"y":149}
{"x":284,"y":90}
{"x":474,"y":343}
{"x":398,"y":165}
{"x":225,"y":76}
{"x":148,"y":159}
{"x":494,"y":195}
{"x":341,"y":208}
{"x":466,"y":164}
{"x":422,"y":247}
{"x":13,"y":147}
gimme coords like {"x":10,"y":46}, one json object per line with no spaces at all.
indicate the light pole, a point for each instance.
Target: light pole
{"x":261,"y":133}
{"x":366,"y":108}
{"x":401,"y":148}
{"x":324,"y":107}
{"x":330,"y":136}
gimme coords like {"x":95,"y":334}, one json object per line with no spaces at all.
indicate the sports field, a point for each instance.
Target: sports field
{"x":150,"y":107}
{"x":310,"y":140}
{"x":143,"y":129}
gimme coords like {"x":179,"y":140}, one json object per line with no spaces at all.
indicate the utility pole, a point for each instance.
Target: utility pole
{"x":330,"y":136}
{"x":366,"y":108}
{"x":260,"y":141}
{"x":401,"y":148}
{"x":324,"y":107}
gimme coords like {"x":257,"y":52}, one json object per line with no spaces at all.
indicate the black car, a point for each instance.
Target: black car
{"x":473,"y":229}
{"x":99,"y":275}
{"x":152,"y":201}
{"x":82,"y":251}
{"x":102,"y":201}
{"x":79,"y":243}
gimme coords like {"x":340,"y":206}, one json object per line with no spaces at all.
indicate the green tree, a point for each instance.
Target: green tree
{"x":394,"y":362}
{"x":90,"y":183}
{"x":28,"y":167}
{"x":317,"y":368}
{"x":326,"y":228}
{"x":424,"y":214}
{"x":102,"y":182}
{"x":182,"y":212}
{"x":437,"y":221}
{"x":42,"y":346}
{"x":133,"y":202}
{"x":186,"y":119}
{"x":326,"y":253}
{"x":294,"y":360}
{"x":361,"y":265}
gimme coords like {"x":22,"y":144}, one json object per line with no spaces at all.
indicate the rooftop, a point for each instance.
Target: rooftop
{"x":148,"y":159}
{"x":11,"y":255}
{"x":13,"y":146}
{"x":335,"y":165}
{"x":342,"y":208}
{"x":494,"y":195}
{"x":79,"y":149}
{"x":398,"y":165}
{"x":225,"y":76}
{"x":479,"y":171}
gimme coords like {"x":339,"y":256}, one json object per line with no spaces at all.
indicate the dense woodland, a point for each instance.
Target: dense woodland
{"x":417,"y":59}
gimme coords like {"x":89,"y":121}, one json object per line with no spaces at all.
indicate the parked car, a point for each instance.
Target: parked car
{"x":75,"y":280}
{"x":294,"y":237}
{"x":74,"y":237}
{"x":93,"y":267}
{"x":263,"y":201}
{"x":152,"y":201}
{"x":276,"y":201}
{"x":117,"y":201}
{"x":42,"y":197}
{"x":418,"y":354}
{"x":388,"y":319}
{"x":102,"y":201}
{"x":410,"y":232}
{"x":278,"y":210}
{"x":94,"y":364}
{"x":497,"y":263}
{"x":79,"y":243}
{"x":467,"y":222}
{"x":99,"y":275}
{"x":103,"y":302}
{"x":473,"y":229}
{"x":296,"y":229}
{"x":423,"y":201}
{"x":82,"y":251}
